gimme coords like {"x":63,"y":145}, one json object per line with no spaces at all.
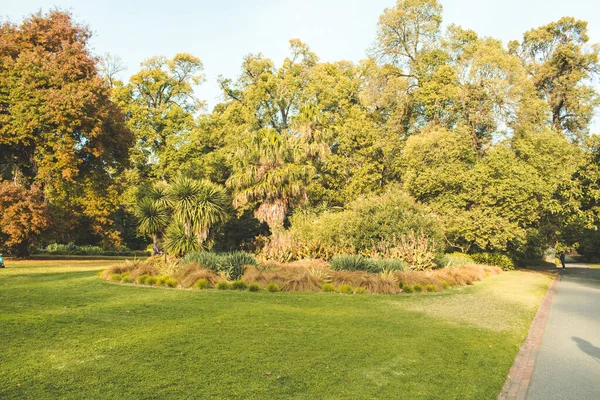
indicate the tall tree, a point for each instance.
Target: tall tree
{"x":561,"y":68}
{"x":160,"y":104}
{"x":58,"y":126}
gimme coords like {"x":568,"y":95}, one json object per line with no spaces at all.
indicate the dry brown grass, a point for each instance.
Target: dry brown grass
{"x":192,"y":273}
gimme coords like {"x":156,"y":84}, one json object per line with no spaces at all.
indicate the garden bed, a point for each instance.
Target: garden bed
{"x":303,"y":276}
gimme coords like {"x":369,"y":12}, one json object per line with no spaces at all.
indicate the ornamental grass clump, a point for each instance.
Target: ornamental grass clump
{"x":150,"y":280}
{"x":141,"y":279}
{"x":272,"y":287}
{"x":328,"y":288}
{"x":223,"y":285}
{"x":346,"y":289}
{"x":202,"y":284}
{"x":352,"y":262}
{"x":239,"y":285}
{"x":254,"y":287}
{"x":172,"y":283}
{"x":191,"y":273}
{"x":115,"y":277}
{"x":431,"y":288}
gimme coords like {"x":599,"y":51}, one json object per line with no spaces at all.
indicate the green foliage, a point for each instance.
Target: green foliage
{"x":223,"y":285}
{"x":384,"y":264}
{"x":418,"y":287}
{"x":328,"y":288}
{"x":231,"y":264}
{"x":498,"y":260}
{"x":431,"y":288}
{"x":455,"y":259}
{"x":272,"y":287}
{"x":346,"y":289}
{"x":202,"y":284}
{"x":161,"y":280}
{"x":360,"y":290}
{"x":407,"y":288}
{"x":141,"y":279}
{"x":171,"y":282}
{"x":397,"y":227}
{"x":150,"y":280}
{"x":126,"y":279}
{"x":254,"y":287}
{"x":115,"y":277}
{"x":351,"y":262}
{"x":239,"y":285}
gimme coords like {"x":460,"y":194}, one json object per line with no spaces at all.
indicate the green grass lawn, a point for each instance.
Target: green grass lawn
{"x":66,"y":333}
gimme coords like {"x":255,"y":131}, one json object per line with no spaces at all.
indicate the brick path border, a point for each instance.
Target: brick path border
{"x":517,"y":383}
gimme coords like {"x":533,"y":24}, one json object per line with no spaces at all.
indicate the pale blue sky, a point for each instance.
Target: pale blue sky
{"x":220,"y":33}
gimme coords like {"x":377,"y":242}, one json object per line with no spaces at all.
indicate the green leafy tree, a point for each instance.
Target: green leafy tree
{"x":561,"y":68}
{"x":160,"y":104}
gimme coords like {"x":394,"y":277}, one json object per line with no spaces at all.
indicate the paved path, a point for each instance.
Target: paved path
{"x":568,"y":362}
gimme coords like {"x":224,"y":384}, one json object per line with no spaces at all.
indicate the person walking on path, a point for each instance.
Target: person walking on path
{"x":563,"y":258}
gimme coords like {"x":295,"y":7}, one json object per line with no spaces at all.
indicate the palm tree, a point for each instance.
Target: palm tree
{"x":153,"y":218}
{"x":197,"y":205}
{"x":270,"y":176}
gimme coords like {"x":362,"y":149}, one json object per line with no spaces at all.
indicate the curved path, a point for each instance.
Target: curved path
{"x":567,"y":365}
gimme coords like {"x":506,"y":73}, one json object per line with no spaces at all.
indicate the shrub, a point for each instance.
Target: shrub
{"x":495,"y":259}
{"x":360,"y":290}
{"x":141,"y":279}
{"x":392,"y":214}
{"x":407,"y":288}
{"x":223,"y":285}
{"x":150,"y":280}
{"x":239,"y":285}
{"x":254,"y":287}
{"x":455,"y":259}
{"x":192,"y":273}
{"x":430,"y":288}
{"x":445,"y":284}
{"x":202,"y":284}
{"x":171,"y":282}
{"x":126,"y":279}
{"x":272,"y":287}
{"x":115,"y":277}
{"x":346,"y":289}
{"x":389,"y":264}
{"x":206,"y":259}
{"x":161,"y":280}
{"x":231,"y":264}
{"x":328,"y":288}
{"x":418,"y":287}
{"x":351,"y":262}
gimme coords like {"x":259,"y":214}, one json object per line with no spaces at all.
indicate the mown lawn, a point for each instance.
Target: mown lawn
{"x":65,"y":333}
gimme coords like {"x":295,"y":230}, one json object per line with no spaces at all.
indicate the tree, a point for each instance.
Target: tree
{"x":58,"y":126}
{"x":561,"y":69}
{"x":109,"y":66}
{"x":270,"y":175}
{"x":160,"y":104}
{"x":182,"y":212}
{"x":23,"y":217}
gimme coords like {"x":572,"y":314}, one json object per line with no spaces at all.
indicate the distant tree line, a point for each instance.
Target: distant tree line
{"x":492,"y":140}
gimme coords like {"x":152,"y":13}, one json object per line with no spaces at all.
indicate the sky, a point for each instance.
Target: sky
{"x":221,"y":33}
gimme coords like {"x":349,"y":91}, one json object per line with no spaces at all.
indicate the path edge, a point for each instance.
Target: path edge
{"x":517,"y":383}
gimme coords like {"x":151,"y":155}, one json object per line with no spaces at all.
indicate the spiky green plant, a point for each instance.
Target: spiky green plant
{"x":271,"y":174}
{"x":178,"y":241}
{"x":196,"y":205}
{"x":153,"y":217}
